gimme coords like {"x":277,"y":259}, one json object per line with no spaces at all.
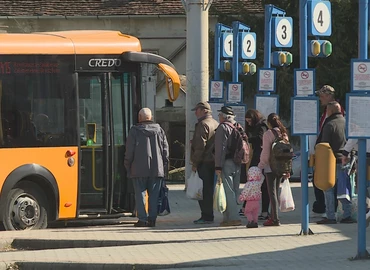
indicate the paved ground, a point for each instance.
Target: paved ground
{"x":177,"y":243}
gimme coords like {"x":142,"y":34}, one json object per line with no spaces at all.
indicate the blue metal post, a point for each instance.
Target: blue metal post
{"x":235,"y":64}
{"x":217,"y":53}
{"x":267,"y":45}
{"x":304,"y":141}
{"x":362,"y":185}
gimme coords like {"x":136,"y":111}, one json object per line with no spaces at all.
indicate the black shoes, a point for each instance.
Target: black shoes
{"x":141,"y":224}
{"x":347,"y":220}
{"x":327,"y":221}
{"x":252,"y":224}
{"x":149,"y":223}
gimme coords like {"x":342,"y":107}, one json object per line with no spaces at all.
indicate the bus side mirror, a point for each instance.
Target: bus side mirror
{"x":172,"y":81}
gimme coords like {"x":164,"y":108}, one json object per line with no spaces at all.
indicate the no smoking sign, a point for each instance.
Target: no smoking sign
{"x":234,"y":92}
{"x":360,"y":75}
{"x":304,"y":82}
{"x":305,"y":75}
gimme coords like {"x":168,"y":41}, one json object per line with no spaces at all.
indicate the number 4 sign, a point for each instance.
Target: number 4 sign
{"x":319,"y":18}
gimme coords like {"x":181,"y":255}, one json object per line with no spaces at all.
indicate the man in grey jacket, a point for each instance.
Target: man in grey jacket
{"x":226,"y":169}
{"x":146,"y":161}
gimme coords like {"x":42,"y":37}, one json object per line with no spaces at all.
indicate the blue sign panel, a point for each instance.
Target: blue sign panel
{"x":282,"y":32}
{"x":319,"y":18}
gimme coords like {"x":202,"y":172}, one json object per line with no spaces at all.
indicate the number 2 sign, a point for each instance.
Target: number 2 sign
{"x":319,"y":18}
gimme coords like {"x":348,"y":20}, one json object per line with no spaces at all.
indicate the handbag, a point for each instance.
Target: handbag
{"x":163,"y":202}
{"x":219,"y":198}
{"x":194,"y":189}
{"x":286,"y":197}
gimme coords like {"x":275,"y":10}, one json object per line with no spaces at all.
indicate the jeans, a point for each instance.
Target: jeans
{"x":206,"y":172}
{"x":330,"y":198}
{"x":153,"y":186}
{"x":231,"y":179}
{"x":331,"y":201}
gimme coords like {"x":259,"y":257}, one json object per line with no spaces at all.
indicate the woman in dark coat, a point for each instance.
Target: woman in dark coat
{"x":255,"y":127}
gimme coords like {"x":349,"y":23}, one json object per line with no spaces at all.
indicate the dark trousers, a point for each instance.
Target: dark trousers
{"x":319,"y":204}
{"x":273,"y":184}
{"x":206,"y":172}
{"x":265,"y":197}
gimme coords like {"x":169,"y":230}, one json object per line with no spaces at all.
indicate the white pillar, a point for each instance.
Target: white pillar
{"x":196,"y":65}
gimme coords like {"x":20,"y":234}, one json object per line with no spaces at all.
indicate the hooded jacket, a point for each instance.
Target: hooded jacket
{"x":146,"y":151}
{"x":255,"y":137}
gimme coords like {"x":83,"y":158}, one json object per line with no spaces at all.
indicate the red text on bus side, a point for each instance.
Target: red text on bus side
{"x":5,"y":68}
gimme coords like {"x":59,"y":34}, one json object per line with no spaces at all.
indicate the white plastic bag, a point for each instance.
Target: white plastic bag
{"x":194,"y":189}
{"x":286,"y":197}
{"x":219,"y":198}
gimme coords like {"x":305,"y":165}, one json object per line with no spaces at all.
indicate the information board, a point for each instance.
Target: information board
{"x":305,"y":115}
{"x":239,"y":111}
{"x":215,"y":106}
{"x":267,"y":104}
{"x":358,"y":115}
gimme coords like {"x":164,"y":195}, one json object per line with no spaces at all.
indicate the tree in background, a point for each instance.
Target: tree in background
{"x":334,"y":70}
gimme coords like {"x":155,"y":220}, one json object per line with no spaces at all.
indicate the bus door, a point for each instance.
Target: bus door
{"x":108,"y":107}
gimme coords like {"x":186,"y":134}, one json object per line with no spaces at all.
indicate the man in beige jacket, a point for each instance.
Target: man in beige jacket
{"x":202,"y":158}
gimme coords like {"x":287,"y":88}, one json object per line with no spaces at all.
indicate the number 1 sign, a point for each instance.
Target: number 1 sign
{"x":319,"y":18}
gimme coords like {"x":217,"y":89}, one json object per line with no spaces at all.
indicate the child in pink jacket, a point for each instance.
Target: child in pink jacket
{"x":252,"y":195}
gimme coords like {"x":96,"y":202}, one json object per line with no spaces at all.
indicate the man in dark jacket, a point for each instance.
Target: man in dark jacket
{"x":202,"y":158}
{"x":333,"y":132}
{"x":146,"y":161}
{"x":326,"y":95}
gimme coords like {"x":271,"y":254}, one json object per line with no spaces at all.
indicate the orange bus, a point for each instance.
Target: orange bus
{"x":67,"y":101}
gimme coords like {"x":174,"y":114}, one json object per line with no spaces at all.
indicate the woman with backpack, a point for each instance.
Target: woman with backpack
{"x":255,"y":127}
{"x":276,"y":130}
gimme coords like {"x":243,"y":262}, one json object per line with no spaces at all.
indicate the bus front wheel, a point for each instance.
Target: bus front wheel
{"x":26,"y":208}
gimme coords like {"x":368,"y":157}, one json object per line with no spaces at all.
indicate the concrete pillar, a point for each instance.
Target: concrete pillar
{"x":196,"y":65}
{"x":149,"y":91}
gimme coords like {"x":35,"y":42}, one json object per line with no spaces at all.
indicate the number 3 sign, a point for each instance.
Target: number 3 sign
{"x":319,"y":18}
{"x":282,"y":32}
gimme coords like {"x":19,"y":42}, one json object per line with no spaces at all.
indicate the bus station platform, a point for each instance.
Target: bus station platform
{"x":176,"y":243}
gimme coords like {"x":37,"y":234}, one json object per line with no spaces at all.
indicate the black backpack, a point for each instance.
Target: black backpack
{"x":238,"y":144}
{"x":281,"y":155}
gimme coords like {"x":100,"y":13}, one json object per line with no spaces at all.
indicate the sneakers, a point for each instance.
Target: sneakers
{"x":252,"y":224}
{"x":271,"y":222}
{"x":263,"y":217}
{"x":202,"y":221}
{"x":327,"y":221}
{"x":241,"y":212}
{"x":347,"y":220}
{"x":231,"y":223}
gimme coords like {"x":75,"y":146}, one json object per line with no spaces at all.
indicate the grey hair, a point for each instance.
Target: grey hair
{"x":228,"y":116}
{"x":146,"y":114}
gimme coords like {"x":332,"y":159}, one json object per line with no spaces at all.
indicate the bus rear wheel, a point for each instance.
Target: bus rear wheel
{"x":25,"y":208}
